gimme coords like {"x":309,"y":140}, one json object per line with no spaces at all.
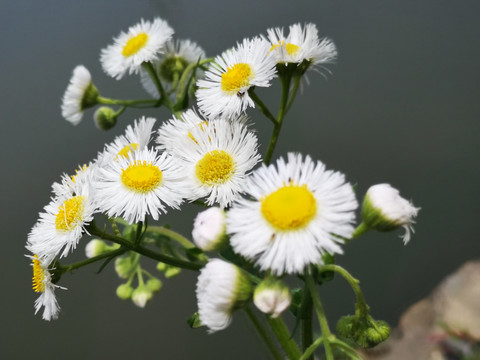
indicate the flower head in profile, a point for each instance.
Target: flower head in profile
{"x":217,"y":158}
{"x":384,"y":209}
{"x":143,"y":184}
{"x":221,"y":288}
{"x":63,"y":222}
{"x":42,"y":284}
{"x":224,"y":90}
{"x":80,"y":95}
{"x":135,"y":138}
{"x":177,"y":55}
{"x":302,"y":45}
{"x":141,"y":43}
{"x":209,"y":229}
{"x":299,"y":211}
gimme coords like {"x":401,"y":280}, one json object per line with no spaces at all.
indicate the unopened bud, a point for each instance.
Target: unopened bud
{"x":209,"y":229}
{"x":141,"y":295}
{"x":105,"y":118}
{"x":124,"y":291}
{"x":95,"y":247}
{"x":272,"y":297}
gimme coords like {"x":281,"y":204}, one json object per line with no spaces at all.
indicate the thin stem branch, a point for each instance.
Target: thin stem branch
{"x":77,"y":265}
{"x":187,"y":244}
{"x":93,"y":230}
{"x":284,"y":338}
{"x":308,"y":354}
{"x":261,"y":106}
{"x":262,"y":332}
{"x":361,"y":229}
{"x":296,"y":84}
{"x":322,"y":319}
{"x":158,"y":84}
{"x":131,"y":103}
{"x":307,"y":337}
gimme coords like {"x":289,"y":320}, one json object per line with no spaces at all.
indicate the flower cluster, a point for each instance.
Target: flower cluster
{"x":263,"y":222}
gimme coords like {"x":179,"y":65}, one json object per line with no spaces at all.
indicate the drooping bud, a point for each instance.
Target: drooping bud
{"x":154,"y":284}
{"x":105,"y":118}
{"x":209,"y":229}
{"x":124,"y":291}
{"x":364,"y":330}
{"x":384,"y":209}
{"x":272,"y":296}
{"x":141,"y":295}
{"x":95,"y":247}
{"x":124,"y":266}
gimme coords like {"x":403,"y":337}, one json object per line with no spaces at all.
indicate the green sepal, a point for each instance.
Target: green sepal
{"x":194,"y":321}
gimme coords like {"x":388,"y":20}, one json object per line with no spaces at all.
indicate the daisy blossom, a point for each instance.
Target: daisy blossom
{"x":178,"y":54}
{"x":217,"y":159}
{"x":227,"y":80}
{"x":141,"y":43}
{"x":299,"y":212}
{"x":144,"y":183}
{"x":80,"y":94}
{"x":42,"y":283}
{"x":62,"y":223}
{"x":301,"y":44}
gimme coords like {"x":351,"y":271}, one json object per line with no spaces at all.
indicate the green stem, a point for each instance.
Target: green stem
{"x":131,"y":103}
{"x":93,"y":230}
{"x":261,"y":106}
{"x":308,"y":354}
{"x":285,"y":81}
{"x":296,"y":84}
{"x":307,"y":337}
{"x":322,"y":319}
{"x":362,"y":228}
{"x":187,"y":244}
{"x":350,"y":351}
{"x":77,"y":265}
{"x":354,"y":283}
{"x":263,"y":334}
{"x":284,"y":338}
{"x":158,"y":84}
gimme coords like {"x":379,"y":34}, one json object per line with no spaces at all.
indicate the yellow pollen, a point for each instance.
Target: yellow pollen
{"x":126,"y":150}
{"x":290,"y":207}
{"x":216,"y":167}
{"x":82,"y":168}
{"x":292,"y":49}
{"x":38,"y":275}
{"x":141,"y":177}
{"x":236,"y":77}
{"x":202,"y":125}
{"x":134,"y":44}
{"x":69,"y":213}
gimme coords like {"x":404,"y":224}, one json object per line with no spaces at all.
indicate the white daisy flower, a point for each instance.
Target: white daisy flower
{"x":136,"y":138}
{"x":178,"y":54}
{"x":221,"y":287}
{"x":384,"y":209}
{"x":217,"y":159}
{"x":83,"y":177}
{"x":61,"y":226}
{"x":42,"y":283}
{"x":299,"y":212}
{"x":301,"y":45}
{"x":175,"y":131}
{"x":80,"y":94}
{"x":209,"y":229}
{"x":141,"y":43}
{"x":144,"y":183}
{"x":225,"y":87}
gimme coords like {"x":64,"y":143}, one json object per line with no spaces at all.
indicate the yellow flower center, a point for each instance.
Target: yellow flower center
{"x":38,"y":275}
{"x":126,"y":150}
{"x":236,"y":77}
{"x":202,"y":125}
{"x":216,"y":167}
{"x":141,"y":176}
{"x":134,"y":44}
{"x":70,"y":213}
{"x":292,"y":49}
{"x":290,"y":207}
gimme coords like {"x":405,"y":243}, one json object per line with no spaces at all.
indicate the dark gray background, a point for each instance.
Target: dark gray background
{"x":402,"y":106}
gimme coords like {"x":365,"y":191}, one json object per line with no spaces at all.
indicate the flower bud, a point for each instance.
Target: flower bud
{"x":154,"y":284}
{"x":105,"y":118}
{"x":365,"y":331}
{"x":384,"y":209}
{"x":95,"y":247}
{"x":124,"y":266}
{"x":141,"y":295}
{"x":209,"y":229}
{"x":169,"y":270}
{"x":172,"y":65}
{"x":124,"y":291}
{"x":272,"y":297}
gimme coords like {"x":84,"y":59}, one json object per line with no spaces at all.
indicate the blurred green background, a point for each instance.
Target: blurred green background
{"x":402,"y":106}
